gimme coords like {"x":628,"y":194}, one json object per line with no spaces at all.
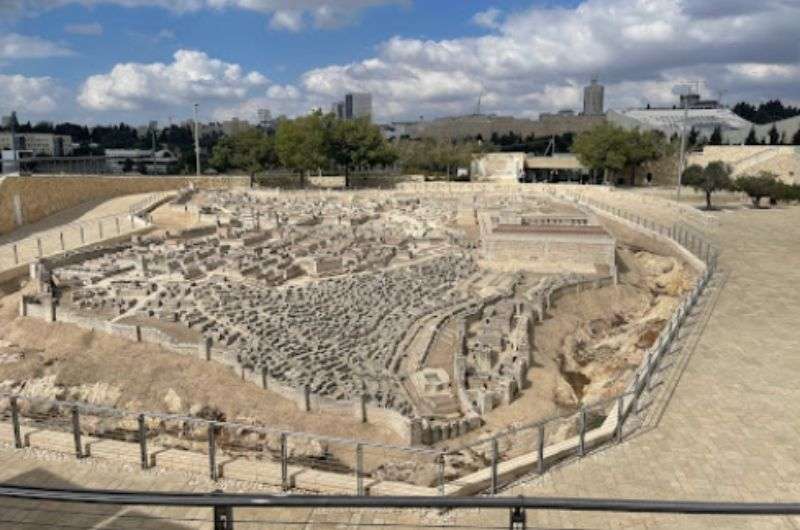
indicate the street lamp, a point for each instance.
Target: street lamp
{"x":196,"y":141}
{"x":684,"y":90}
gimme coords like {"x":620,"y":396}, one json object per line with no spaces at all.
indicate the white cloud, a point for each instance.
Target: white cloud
{"x":91,"y":29}
{"x":192,"y":76}
{"x":16,"y":46}
{"x":284,"y":14}
{"x":287,"y":20}
{"x":538,"y":59}
{"x":280,"y":99}
{"x":28,"y":95}
{"x":488,"y":19}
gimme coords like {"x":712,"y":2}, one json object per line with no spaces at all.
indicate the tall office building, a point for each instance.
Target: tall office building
{"x":593,"y":99}
{"x":264,"y":116}
{"x":358,"y":106}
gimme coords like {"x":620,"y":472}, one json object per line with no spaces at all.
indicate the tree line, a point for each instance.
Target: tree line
{"x":718,"y":176}
{"x":321,"y":142}
{"x":766,"y":112}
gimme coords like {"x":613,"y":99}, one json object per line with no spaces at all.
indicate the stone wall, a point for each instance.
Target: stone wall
{"x":498,"y":167}
{"x":29,"y":199}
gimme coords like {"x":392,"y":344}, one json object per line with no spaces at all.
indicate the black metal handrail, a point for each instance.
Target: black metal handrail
{"x":241,"y":500}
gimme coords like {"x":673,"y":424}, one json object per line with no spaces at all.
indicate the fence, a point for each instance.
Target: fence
{"x":76,"y":235}
{"x":306,"y":462}
{"x":224,"y":507}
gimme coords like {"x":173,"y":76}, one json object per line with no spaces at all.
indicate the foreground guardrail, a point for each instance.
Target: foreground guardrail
{"x":223,"y":504}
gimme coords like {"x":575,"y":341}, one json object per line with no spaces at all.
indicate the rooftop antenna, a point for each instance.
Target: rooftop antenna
{"x":478,"y":106}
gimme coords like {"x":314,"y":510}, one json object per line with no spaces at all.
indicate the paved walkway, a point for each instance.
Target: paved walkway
{"x":730,"y":431}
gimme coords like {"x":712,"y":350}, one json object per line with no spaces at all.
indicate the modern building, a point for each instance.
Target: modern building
{"x":264,"y":116}
{"x":354,"y":106}
{"x":136,"y":160}
{"x":11,"y":159}
{"x":593,"y":96}
{"x":235,"y":126}
{"x":358,"y":105}
{"x":40,"y":144}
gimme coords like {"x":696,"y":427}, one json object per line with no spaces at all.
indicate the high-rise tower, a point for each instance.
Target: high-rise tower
{"x":593,"y":99}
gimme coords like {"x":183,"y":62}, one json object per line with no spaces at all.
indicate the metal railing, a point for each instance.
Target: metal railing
{"x":223,"y":506}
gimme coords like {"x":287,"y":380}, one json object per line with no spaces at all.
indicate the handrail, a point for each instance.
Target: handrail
{"x":142,"y":498}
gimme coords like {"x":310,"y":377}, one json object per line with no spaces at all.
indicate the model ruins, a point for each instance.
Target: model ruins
{"x":415,"y":309}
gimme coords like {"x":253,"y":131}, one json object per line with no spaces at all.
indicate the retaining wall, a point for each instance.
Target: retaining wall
{"x":29,"y":199}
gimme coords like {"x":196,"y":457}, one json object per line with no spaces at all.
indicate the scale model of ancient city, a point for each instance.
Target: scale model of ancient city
{"x":432,"y":316}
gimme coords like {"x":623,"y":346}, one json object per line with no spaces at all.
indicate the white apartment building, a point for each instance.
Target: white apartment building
{"x":41,"y":144}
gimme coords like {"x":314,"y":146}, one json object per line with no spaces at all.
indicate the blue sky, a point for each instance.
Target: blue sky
{"x":430,"y":57}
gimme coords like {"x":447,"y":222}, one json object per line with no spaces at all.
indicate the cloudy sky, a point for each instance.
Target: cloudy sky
{"x":99,"y":61}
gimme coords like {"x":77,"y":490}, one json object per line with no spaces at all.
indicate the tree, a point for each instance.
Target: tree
{"x":714,"y":177}
{"x":765,"y":184}
{"x":250,"y":150}
{"x":694,"y":136}
{"x":611,"y":149}
{"x":301,"y":143}
{"x":768,"y":112}
{"x":716,"y":136}
{"x":432,"y":156}
{"x":774,"y":136}
{"x":751,"y":137}
{"x":796,"y":137}
{"x":358,"y":143}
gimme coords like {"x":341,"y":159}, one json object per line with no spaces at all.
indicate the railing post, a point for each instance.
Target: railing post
{"x":284,"y":463}
{"x":83,"y":235}
{"x":61,"y":240}
{"x":441,"y":473}
{"x":359,"y":470}
{"x":100,"y":228}
{"x":582,"y":432}
{"x":116,"y":222}
{"x":540,"y":448}
{"x":16,"y":254}
{"x":15,"y":422}
{"x":212,"y":450}
{"x":76,"y":431}
{"x":620,"y":417}
{"x":264,"y":376}
{"x":223,"y":517}
{"x":39,"y":252}
{"x":494,"y":466}
{"x":143,"y":442}
{"x":518,"y":519}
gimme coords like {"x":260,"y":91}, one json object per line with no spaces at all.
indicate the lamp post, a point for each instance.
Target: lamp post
{"x":196,"y":141}
{"x":681,"y":166}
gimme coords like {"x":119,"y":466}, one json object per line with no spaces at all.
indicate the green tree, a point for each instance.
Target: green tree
{"x":796,"y":137}
{"x":774,"y":135}
{"x":302,"y":143}
{"x":437,"y":157}
{"x":716,"y":136}
{"x":358,"y":143}
{"x":751,"y":137}
{"x":613,"y":150}
{"x":250,"y":150}
{"x":765,"y":184}
{"x":714,"y":177}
